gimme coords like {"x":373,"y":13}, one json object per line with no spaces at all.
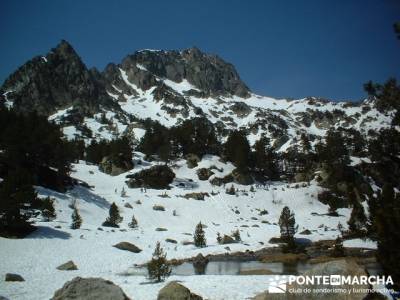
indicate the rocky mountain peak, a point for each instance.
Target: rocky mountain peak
{"x":208,"y":73}
{"x":56,"y":81}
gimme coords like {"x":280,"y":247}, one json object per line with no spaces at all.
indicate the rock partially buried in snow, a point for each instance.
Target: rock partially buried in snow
{"x":176,"y":291}
{"x":90,"y":289}
{"x":68,"y":266}
{"x":14,"y":277}
{"x":128,"y":247}
{"x":343,"y":267}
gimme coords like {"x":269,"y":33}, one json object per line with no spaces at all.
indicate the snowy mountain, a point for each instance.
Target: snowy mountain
{"x":172,"y":87}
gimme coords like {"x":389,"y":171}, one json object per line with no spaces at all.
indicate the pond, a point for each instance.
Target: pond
{"x":237,"y":267}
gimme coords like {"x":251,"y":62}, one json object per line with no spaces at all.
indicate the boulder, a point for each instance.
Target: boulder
{"x":172,"y":241}
{"x":204,"y":173}
{"x":14,"y":277}
{"x":115,"y":165}
{"x":127,"y":205}
{"x":196,"y":196}
{"x":242,"y":178}
{"x":156,"y":177}
{"x":192,"y":160}
{"x":90,"y":289}
{"x":218,"y":181}
{"x":176,"y":291}
{"x":68,"y":266}
{"x":344,"y":267}
{"x":227,"y":239}
{"x":128,"y":247}
{"x":305,"y":232}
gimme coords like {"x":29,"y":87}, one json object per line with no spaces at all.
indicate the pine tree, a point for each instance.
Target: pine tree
{"x":199,"y":236}
{"x":114,"y":217}
{"x":48,"y":211}
{"x":17,"y":201}
{"x":133,"y":223}
{"x":237,"y":150}
{"x":158,"y":268}
{"x":231,"y":190}
{"x":357,"y":221}
{"x":219,"y":238}
{"x":287,"y":224}
{"x":236,"y":235}
{"x":385,"y":217}
{"x":123,"y":192}
{"x":338,"y":250}
{"x":76,"y":219}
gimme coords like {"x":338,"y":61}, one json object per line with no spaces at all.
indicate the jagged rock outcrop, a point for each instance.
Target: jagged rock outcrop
{"x":57,"y":81}
{"x":209,"y":73}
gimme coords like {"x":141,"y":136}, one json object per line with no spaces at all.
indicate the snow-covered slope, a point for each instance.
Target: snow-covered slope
{"x":37,"y":256}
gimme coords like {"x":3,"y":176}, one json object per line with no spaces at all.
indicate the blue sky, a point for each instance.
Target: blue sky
{"x":280,"y":48}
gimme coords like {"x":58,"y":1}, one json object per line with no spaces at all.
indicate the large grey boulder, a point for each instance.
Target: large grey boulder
{"x":14,"y":277}
{"x":344,"y":267}
{"x":90,"y":289}
{"x":115,"y":165}
{"x":175,"y":291}
{"x":128,"y":247}
{"x":156,"y":177}
{"x":68,"y":266}
{"x":204,"y":173}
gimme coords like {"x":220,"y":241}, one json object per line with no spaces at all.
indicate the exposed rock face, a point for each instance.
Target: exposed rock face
{"x":175,"y":291}
{"x":204,"y":173}
{"x":14,"y":277}
{"x":227,"y":239}
{"x":56,"y":81}
{"x":242,"y":178}
{"x":192,"y":160}
{"x":90,"y":289}
{"x":344,"y":267}
{"x":157,"y":177}
{"x":68,"y":266}
{"x":128,"y":247}
{"x":115,"y":165}
{"x":208,"y":73}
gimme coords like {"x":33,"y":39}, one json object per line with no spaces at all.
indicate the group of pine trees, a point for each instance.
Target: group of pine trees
{"x":33,"y":152}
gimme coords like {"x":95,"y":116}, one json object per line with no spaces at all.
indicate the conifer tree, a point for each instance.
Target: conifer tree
{"x":199,"y":236}
{"x":338,"y":249}
{"x":133,"y":223}
{"x":76,"y":219}
{"x":219,"y":238}
{"x":385,"y":216}
{"x":287,"y":224}
{"x":123,"y":192}
{"x":48,"y":211}
{"x":158,"y":268}
{"x":357,"y":221}
{"x":114,"y":217}
{"x":17,"y":200}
